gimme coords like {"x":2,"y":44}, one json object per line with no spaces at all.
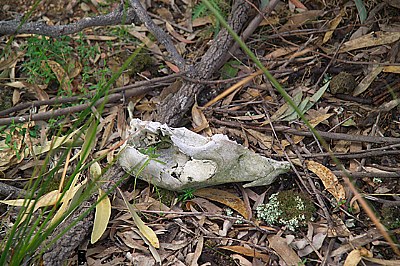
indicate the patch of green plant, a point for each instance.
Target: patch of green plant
{"x":150,"y":151}
{"x":186,"y":195}
{"x":41,"y":49}
{"x":86,"y":51}
{"x":288,"y":208}
{"x":102,"y":77}
{"x":122,"y":32}
{"x":201,"y":10}
{"x":229,"y":69}
{"x":8,"y":138}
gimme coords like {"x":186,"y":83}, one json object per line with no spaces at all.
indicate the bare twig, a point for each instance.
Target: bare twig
{"x":325,"y":135}
{"x":253,"y":25}
{"x":149,"y":83}
{"x":161,"y":36}
{"x":114,"y":97}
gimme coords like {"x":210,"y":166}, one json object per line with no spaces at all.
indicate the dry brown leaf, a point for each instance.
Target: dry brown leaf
{"x":198,"y":251}
{"x":49,"y":199}
{"x":60,"y":73}
{"x":247,"y":252}
{"x":68,"y":197}
{"x":356,"y":255}
{"x":298,"y":4}
{"x":109,"y":126}
{"x":165,"y":13}
{"x":366,"y":82}
{"x":264,"y":140}
{"x":319,"y":119}
{"x":130,"y":239}
{"x":229,"y":98}
{"x":270,"y":20}
{"x":99,"y":38}
{"x":280,"y":246}
{"x":10,"y":61}
{"x":121,"y":122}
{"x":353,"y":258}
{"x":392,"y":69}
{"x":16,"y":84}
{"x":16,"y":97}
{"x":372,"y":39}
{"x":339,"y":229}
{"x":224,"y":197}
{"x":10,"y":152}
{"x":329,"y":179}
{"x":74,"y":67}
{"x":149,"y":43}
{"x":333,"y":25}
{"x":38,"y":91}
{"x":199,"y":120}
{"x":206,"y":205}
{"x":148,"y":234}
{"x":173,"y":67}
{"x":300,"y":19}
{"x":249,"y":117}
{"x":198,"y":22}
{"x":176,"y":35}
{"x":281,"y":52}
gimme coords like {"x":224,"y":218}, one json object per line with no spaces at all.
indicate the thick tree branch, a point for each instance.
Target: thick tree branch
{"x":116,"y":17}
{"x":175,"y":106}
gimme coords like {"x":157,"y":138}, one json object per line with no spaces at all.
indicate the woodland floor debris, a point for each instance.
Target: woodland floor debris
{"x":304,"y":45}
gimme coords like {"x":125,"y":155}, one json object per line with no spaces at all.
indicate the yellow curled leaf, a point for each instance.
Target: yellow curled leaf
{"x":101,"y":217}
{"x":147,"y":232}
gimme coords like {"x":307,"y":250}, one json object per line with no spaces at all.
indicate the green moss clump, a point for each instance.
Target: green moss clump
{"x":141,"y":62}
{"x":288,"y":208}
